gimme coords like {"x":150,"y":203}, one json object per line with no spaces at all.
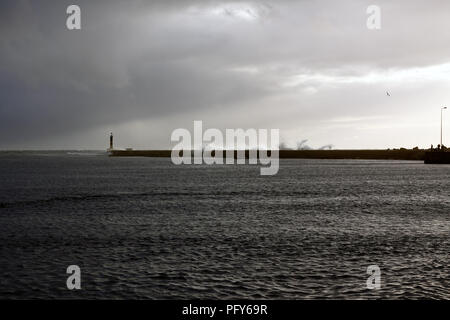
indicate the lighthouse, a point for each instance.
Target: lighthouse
{"x":111,"y":142}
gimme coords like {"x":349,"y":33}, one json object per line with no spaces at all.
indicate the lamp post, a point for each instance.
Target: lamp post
{"x":443,"y":108}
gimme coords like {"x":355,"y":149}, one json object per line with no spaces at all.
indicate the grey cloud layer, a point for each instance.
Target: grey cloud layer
{"x":136,"y":60}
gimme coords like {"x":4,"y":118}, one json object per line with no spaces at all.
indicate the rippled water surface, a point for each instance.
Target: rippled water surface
{"x":144,"y":228}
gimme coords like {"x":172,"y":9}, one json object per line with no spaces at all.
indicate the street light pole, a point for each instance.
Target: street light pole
{"x":443,"y":108}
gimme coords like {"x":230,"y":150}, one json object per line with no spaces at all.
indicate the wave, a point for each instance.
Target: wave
{"x":87,"y":154}
{"x":129,"y":195}
{"x":91,"y":197}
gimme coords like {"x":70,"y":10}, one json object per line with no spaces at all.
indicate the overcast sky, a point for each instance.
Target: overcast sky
{"x":144,"y":68}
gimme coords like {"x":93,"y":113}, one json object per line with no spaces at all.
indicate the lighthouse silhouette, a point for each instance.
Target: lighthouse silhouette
{"x":111,"y":142}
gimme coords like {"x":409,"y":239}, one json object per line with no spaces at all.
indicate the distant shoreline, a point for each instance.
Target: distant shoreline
{"x":394,"y":154}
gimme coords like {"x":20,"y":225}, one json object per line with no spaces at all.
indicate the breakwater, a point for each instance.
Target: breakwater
{"x":397,"y":154}
{"x":433,"y":157}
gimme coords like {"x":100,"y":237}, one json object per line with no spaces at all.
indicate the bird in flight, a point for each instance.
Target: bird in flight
{"x":388,"y":94}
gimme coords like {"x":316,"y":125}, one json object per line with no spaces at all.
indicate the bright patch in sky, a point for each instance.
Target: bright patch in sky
{"x":432,"y":73}
{"x":237,"y":10}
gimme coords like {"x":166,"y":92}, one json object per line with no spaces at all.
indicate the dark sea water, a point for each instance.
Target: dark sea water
{"x":144,"y":228}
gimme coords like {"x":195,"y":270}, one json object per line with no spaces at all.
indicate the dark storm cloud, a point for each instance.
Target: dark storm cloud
{"x":118,"y":67}
{"x":149,"y":59}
